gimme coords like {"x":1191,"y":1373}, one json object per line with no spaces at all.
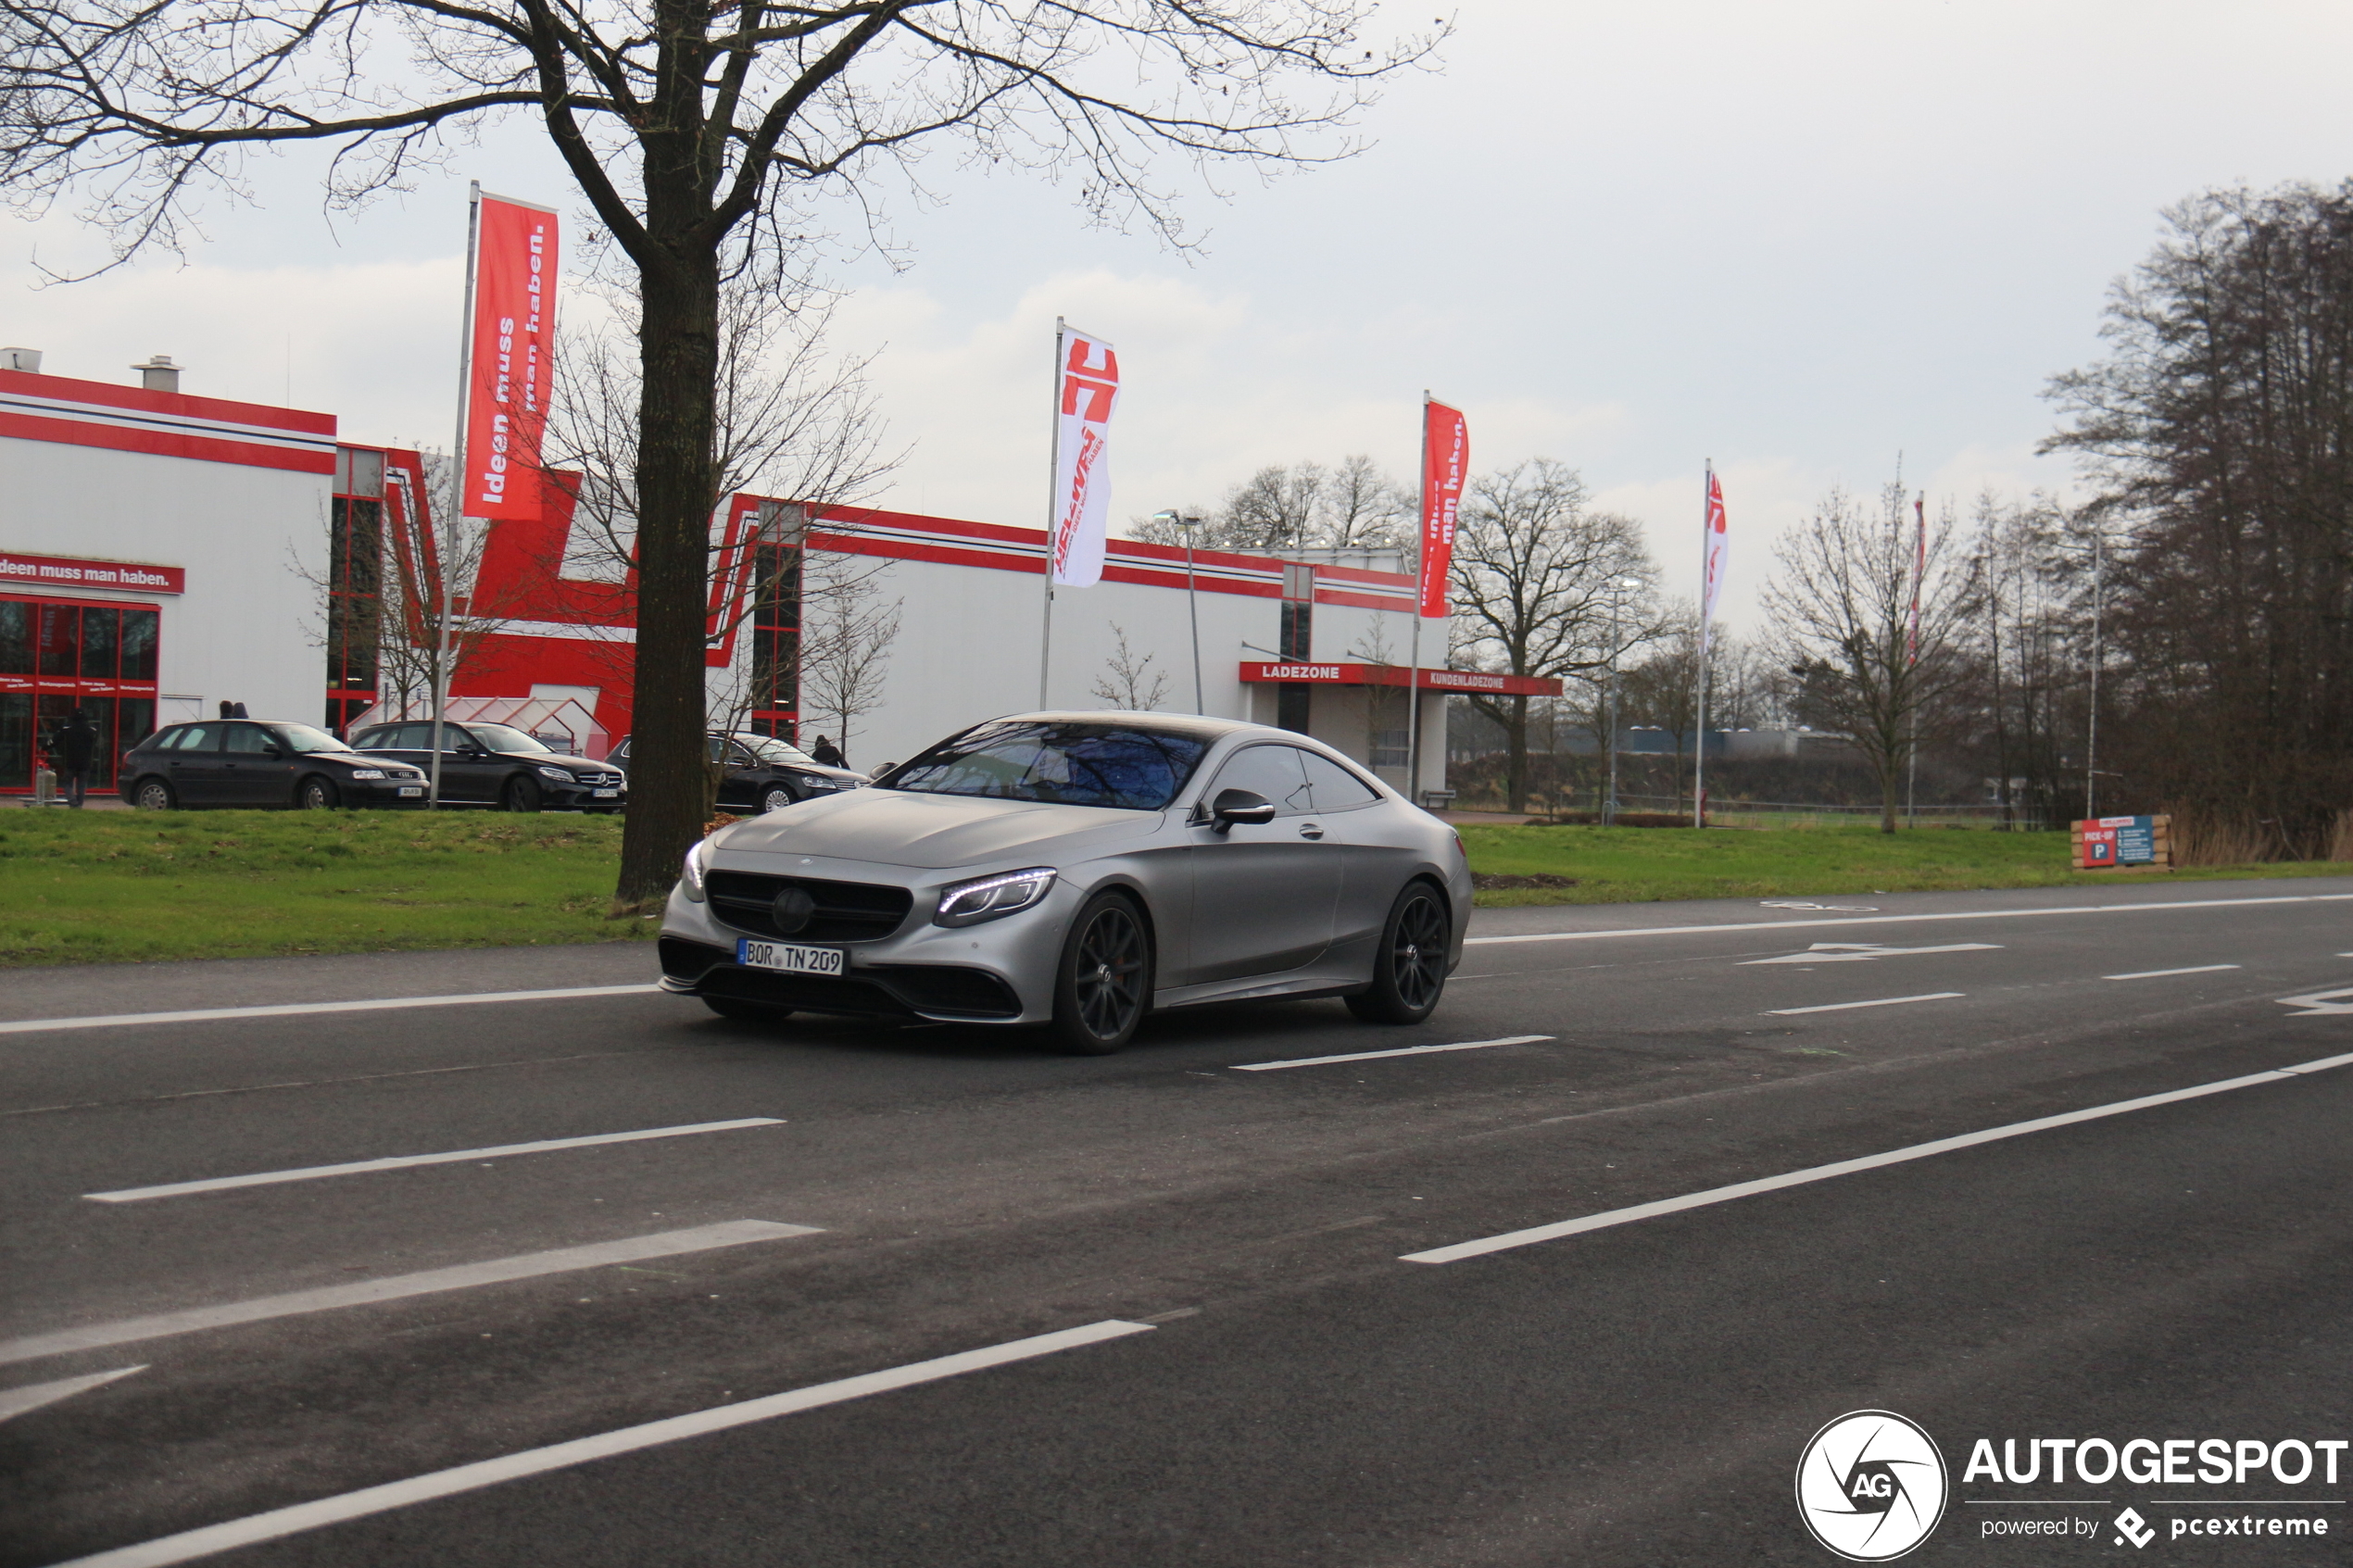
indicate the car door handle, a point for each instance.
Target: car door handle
{"x":1310,"y":830}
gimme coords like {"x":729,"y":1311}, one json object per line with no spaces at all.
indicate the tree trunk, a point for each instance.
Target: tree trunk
{"x":679,"y":349}
{"x":1515,"y":765}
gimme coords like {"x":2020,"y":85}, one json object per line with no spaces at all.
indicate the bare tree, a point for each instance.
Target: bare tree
{"x":1353,"y":506}
{"x":1841,"y":603}
{"x":1536,"y":577}
{"x":1129,"y":681}
{"x":2216,"y":435}
{"x":703,"y":137}
{"x":845,"y":644}
{"x":1386,"y":696}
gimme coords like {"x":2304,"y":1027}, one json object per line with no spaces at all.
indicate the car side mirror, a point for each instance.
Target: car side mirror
{"x":1239,"y":806}
{"x":275,"y":752}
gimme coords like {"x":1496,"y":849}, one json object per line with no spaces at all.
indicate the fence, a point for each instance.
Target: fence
{"x":1791,"y":813}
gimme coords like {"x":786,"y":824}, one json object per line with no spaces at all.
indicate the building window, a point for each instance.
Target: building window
{"x":355,"y":584}
{"x":55,"y":656}
{"x":775,"y":634}
{"x":1296,"y":640}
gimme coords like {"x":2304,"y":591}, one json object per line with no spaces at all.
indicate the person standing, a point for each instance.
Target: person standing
{"x":826,"y":752}
{"x":74,"y":744}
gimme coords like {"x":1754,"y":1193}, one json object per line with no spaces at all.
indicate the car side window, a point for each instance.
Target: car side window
{"x":196,"y":737}
{"x":1274,"y":771}
{"x":1333,"y":787}
{"x":738,"y":758}
{"x":452,"y":738}
{"x":247,"y":740}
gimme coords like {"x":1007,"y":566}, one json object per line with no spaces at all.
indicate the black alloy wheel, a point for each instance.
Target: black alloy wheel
{"x":775,"y":797}
{"x":521,"y":794}
{"x":1105,"y":981}
{"x":743,"y":1011}
{"x":1409,"y":969}
{"x":315,"y":794}
{"x":153,"y":795}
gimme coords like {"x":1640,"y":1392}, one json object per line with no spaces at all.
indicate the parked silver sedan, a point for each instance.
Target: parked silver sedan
{"x":1076,"y":870}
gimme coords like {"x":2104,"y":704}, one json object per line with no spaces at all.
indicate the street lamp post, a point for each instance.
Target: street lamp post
{"x":1619,"y":587}
{"x":1192,"y":599}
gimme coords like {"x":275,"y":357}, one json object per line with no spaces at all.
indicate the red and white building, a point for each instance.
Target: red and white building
{"x":161,"y":553}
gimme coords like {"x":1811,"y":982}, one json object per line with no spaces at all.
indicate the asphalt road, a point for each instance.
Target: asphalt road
{"x":1215,"y":1349}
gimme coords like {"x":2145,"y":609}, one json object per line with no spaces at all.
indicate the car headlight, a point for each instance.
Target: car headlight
{"x":367,"y":772}
{"x":812,"y":781}
{"x":559,"y":774}
{"x":968,"y":903}
{"x":697,"y":864}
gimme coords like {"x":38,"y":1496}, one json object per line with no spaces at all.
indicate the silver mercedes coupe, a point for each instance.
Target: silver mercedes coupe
{"x":1076,"y":870}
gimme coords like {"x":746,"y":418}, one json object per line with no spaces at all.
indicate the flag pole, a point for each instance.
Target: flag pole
{"x":1414,"y":669}
{"x":456,"y":527}
{"x":1706,"y":537}
{"x":1054,"y":476}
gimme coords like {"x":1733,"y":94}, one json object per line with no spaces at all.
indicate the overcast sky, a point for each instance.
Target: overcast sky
{"x":1798,"y":239}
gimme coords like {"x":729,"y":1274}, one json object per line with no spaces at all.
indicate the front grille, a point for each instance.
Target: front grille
{"x":847,"y":911}
{"x":812,"y":992}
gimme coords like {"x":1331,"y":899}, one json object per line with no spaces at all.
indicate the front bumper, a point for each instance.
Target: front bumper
{"x":383,"y":793}
{"x":998,"y":972}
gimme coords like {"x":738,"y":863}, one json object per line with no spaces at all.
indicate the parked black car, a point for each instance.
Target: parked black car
{"x":765,"y":773}
{"x":499,"y":765}
{"x":257,"y":762}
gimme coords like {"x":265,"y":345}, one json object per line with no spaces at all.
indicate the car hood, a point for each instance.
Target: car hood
{"x":933,"y":832}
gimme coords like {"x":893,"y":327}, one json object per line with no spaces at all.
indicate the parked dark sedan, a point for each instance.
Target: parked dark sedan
{"x":765,"y":773}
{"x":256,"y":762}
{"x":499,"y":765}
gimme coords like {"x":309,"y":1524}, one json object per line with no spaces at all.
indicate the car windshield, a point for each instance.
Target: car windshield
{"x":506,"y":737}
{"x":770,"y":749}
{"x":302,"y":737}
{"x":1068,"y":764}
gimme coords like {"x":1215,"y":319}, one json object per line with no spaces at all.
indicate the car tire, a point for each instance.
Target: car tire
{"x":153,"y":795}
{"x":743,"y":1011}
{"x":521,"y":794}
{"x":315,"y":794}
{"x":775,"y":797}
{"x":1103,"y":985}
{"x":1409,"y":968}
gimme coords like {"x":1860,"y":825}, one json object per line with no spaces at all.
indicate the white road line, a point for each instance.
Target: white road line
{"x":2161,"y":973}
{"x":362,"y":1293}
{"x":281,"y":1523}
{"x":299,"y":1009}
{"x":1847,"y":1167}
{"x":1890,"y":919}
{"x":15,"y":1401}
{"x":402,"y":1161}
{"x":1880,"y":1002}
{"x":1401,"y":1050}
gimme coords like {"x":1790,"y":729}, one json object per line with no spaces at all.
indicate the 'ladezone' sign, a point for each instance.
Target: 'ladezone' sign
{"x":63,"y":571}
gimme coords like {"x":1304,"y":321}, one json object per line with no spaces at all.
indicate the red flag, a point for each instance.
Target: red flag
{"x":1445,"y":460}
{"x":1716,"y":550}
{"x":513,"y":336}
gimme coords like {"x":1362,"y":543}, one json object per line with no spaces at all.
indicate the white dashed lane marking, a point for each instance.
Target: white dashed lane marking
{"x":405,"y":1161}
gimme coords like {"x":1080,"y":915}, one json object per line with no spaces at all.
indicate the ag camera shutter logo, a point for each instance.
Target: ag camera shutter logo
{"x":1872,"y":1485}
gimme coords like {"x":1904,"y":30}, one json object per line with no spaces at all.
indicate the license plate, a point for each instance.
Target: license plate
{"x":412,"y":789}
{"x":789,"y":957}
{"x":605,"y":794}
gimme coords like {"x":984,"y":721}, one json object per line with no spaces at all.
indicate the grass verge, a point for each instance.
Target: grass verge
{"x":121,"y":886}
{"x":1633,"y":865}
